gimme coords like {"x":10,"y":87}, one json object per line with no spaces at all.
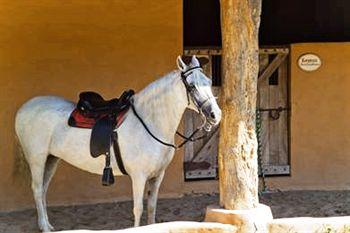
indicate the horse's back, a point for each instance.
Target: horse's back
{"x":44,"y":106}
{"x":46,"y":103}
{"x":41,"y":114}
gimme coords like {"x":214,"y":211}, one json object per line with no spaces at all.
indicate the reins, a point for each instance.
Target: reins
{"x":176,"y":147}
{"x":190,"y":138}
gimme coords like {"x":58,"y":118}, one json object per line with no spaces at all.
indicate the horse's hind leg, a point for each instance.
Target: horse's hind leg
{"x":37,"y":168}
{"x":50,"y":169}
{"x":153,"y":188}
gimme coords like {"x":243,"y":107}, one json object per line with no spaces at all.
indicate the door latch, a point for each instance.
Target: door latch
{"x":274,"y":113}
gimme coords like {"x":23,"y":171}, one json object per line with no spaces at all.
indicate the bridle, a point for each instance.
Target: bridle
{"x":190,"y":90}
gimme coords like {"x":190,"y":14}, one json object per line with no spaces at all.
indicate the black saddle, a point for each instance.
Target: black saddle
{"x":93,"y":103}
{"x":103,"y":134}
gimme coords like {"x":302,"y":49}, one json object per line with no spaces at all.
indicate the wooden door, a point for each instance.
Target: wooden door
{"x":273,"y":112}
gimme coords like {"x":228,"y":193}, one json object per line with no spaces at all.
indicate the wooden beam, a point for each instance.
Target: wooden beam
{"x":274,"y":50}
{"x":202,"y":51}
{"x":209,"y":147}
{"x":275,"y":170}
{"x":272,"y":67}
{"x":217,"y":51}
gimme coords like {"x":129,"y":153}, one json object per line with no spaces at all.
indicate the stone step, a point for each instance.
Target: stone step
{"x":310,"y":225}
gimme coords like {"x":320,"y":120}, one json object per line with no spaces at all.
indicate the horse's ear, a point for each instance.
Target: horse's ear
{"x":194,"y":61}
{"x":186,"y":59}
{"x":203,"y":61}
{"x":181,"y":64}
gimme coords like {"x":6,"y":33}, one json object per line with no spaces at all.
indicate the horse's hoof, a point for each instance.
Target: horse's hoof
{"x":47,"y":228}
{"x":51,"y":227}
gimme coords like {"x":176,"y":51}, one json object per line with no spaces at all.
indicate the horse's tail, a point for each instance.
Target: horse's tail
{"x":20,"y":167}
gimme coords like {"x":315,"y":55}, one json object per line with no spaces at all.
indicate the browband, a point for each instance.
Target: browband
{"x":183,"y":74}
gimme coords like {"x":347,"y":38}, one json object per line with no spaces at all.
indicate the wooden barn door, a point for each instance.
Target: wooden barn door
{"x":273,"y":112}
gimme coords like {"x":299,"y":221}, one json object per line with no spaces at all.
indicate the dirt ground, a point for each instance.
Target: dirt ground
{"x":189,"y":207}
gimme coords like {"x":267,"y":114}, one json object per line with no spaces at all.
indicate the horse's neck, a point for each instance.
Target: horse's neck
{"x":162,"y":104}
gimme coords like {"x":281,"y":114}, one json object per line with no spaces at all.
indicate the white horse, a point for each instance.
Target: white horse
{"x":42,"y":130}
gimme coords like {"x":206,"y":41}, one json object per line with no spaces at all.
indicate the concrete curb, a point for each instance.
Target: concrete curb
{"x":172,"y":227}
{"x":310,"y":225}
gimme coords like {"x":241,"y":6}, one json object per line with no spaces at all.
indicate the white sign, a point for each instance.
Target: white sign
{"x":309,"y":62}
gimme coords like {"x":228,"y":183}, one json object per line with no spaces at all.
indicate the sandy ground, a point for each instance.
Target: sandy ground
{"x":190,"y":207}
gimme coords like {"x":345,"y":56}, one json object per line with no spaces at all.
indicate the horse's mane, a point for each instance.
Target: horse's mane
{"x":158,"y":87}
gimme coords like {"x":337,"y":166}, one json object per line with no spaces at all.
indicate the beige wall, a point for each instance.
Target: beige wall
{"x":320,"y":121}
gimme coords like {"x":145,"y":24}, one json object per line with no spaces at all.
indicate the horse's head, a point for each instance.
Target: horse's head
{"x":199,"y":93}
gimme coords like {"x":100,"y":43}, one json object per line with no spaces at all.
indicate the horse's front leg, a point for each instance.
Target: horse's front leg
{"x":138,"y":188}
{"x":153,"y":185}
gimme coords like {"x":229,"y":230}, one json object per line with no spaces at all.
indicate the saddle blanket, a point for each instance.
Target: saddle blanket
{"x":85,"y":120}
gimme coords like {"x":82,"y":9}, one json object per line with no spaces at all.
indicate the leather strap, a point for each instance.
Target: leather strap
{"x":149,"y":131}
{"x":117,"y":153}
{"x":187,"y":139}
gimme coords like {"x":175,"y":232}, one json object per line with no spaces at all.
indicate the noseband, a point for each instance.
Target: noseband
{"x":191,"y":89}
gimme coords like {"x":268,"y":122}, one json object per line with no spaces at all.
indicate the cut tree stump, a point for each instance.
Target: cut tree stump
{"x":247,"y":221}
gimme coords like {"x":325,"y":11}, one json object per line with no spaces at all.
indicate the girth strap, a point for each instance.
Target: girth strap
{"x":117,"y":153}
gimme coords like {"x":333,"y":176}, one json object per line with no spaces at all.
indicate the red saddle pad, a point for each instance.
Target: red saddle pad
{"x":81,"y":120}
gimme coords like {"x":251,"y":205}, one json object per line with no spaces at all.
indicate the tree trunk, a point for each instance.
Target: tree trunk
{"x":238,"y":166}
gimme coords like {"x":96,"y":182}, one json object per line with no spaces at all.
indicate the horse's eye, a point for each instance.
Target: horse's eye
{"x":192,"y":86}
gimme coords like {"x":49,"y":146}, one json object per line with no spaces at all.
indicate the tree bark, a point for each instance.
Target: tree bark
{"x":238,"y":166}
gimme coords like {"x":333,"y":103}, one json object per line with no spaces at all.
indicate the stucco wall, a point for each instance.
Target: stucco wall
{"x":320,"y":126}
{"x":62,"y":47}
